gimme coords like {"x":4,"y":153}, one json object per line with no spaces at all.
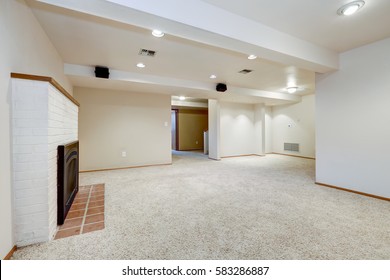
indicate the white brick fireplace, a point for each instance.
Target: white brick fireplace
{"x":43,"y":117}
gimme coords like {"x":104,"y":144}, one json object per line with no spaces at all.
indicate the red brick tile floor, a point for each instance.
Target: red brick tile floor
{"x":86,"y":213}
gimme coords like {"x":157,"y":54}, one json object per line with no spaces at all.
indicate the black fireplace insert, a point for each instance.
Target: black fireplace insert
{"x":67,"y":178}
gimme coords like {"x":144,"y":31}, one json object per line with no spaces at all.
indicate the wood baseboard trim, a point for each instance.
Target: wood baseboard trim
{"x":251,"y":155}
{"x":9,"y":255}
{"x":46,"y":79}
{"x":189,"y":150}
{"x":128,"y":167}
{"x":353,"y":191}
{"x":292,"y":155}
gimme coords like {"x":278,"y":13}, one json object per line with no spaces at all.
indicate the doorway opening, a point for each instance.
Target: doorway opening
{"x":189,"y":127}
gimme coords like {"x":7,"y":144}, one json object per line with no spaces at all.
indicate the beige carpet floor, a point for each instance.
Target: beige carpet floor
{"x":237,"y":208}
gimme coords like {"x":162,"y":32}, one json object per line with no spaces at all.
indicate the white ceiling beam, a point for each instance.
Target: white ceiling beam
{"x":131,"y":77}
{"x":199,"y":21}
{"x":191,"y":104}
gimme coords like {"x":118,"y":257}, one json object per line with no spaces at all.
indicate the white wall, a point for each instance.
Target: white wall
{"x":268,"y":129}
{"x":295,"y":123}
{"x":214,"y":129}
{"x":241,"y":129}
{"x":259,"y":128}
{"x":112,"y":122}
{"x":353,"y":116}
{"x":24,"y":48}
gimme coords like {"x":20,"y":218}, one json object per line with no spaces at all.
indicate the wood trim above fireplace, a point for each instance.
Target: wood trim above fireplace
{"x":46,"y":79}
{"x":9,"y":255}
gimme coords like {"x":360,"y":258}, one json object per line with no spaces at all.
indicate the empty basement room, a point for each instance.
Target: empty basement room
{"x":296,"y":110}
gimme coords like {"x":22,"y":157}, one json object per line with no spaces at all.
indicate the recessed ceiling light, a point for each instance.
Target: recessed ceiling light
{"x":213,"y":77}
{"x":292,"y":89}
{"x":141,"y":65}
{"x":157,"y":33}
{"x":252,"y":56}
{"x":350,"y":8}
{"x":182,"y":98}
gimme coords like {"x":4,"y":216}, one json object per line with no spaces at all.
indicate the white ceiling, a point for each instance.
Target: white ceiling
{"x":101,"y":33}
{"x":316,"y":21}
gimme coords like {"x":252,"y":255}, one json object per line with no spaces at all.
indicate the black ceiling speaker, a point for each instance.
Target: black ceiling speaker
{"x":221,"y":87}
{"x":102,"y":72}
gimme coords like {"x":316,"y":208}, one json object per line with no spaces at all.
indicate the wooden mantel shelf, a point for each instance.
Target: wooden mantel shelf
{"x":46,"y":79}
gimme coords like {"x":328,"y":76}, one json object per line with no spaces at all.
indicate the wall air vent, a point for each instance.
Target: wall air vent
{"x":292,"y":147}
{"x":145,"y":52}
{"x":245,"y":71}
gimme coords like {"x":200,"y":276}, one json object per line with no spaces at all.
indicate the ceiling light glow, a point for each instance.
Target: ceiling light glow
{"x":252,"y":56}
{"x":350,"y":8}
{"x":157,"y":33}
{"x":213,"y":76}
{"x":292,"y":89}
{"x":182,"y":98}
{"x":141,"y":65}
